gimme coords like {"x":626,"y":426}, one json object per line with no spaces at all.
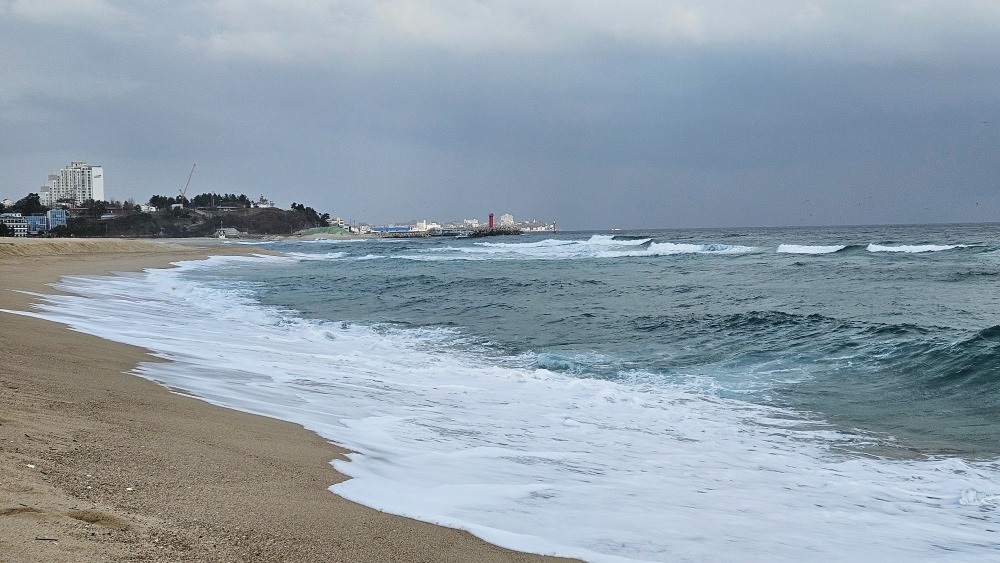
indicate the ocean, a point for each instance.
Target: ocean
{"x":662,"y":395}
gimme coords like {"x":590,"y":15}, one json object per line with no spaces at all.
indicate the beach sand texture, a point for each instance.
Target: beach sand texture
{"x":100,"y":465}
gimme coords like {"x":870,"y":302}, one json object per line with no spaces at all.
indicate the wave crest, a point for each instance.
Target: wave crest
{"x":806,"y":249}
{"x":913,"y":249}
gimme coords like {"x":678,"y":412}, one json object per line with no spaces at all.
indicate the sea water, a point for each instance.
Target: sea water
{"x":737,"y":394}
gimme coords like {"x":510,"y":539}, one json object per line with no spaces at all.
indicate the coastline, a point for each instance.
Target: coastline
{"x":99,"y":464}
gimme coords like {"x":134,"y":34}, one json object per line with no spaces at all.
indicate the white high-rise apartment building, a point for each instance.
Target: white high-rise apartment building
{"x":76,"y":183}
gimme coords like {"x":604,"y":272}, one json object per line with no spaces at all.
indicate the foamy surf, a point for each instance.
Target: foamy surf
{"x":913,"y":249}
{"x":806,"y":249}
{"x":595,"y":247}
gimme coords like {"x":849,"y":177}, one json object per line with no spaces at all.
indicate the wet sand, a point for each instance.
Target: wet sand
{"x":97,"y":464}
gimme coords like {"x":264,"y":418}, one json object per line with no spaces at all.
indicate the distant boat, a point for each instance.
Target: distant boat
{"x":616,"y":230}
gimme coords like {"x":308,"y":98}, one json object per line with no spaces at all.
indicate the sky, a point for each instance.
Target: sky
{"x":594,"y":114}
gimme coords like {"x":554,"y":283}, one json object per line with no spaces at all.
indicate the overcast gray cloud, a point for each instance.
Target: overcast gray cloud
{"x":592,"y":113}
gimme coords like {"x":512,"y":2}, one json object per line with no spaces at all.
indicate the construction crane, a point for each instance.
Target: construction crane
{"x":183,"y":191}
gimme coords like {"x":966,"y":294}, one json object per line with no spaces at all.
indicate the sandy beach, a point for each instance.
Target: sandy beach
{"x":97,"y":464}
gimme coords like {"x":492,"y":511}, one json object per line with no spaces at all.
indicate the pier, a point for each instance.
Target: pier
{"x":401,"y":234}
{"x":495,"y":231}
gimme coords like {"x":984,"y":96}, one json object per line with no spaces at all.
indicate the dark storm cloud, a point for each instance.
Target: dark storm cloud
{"x":658,"y":114}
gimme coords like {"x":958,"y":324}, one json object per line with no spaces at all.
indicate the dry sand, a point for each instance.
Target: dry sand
{"x":100,"y":465}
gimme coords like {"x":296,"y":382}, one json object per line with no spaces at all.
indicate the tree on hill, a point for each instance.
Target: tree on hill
{"x":187,"y":222}
{"x":224,"y":200}
{"x":311,"y":216}
{"x":30,"y":204}
{"x":80,"y":227}
{"x":161,"y":201}
{"x":204,"y":200}
{"x":95,"y":208}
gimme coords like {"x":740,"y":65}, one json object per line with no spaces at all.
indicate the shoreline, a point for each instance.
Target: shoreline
{"x":99,"y":464}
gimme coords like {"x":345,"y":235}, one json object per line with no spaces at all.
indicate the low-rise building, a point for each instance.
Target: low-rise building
{"x":56,"y":217}
{"x":36,"y":224}
{"x":16,"y":225}
{"x":263,"y":203}
{"x":534,"y":226}
{"x":228,"y":232}
{"x":426,"y":226}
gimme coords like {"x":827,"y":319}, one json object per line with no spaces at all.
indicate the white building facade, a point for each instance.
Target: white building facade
{"x":16,"y":225}
{"x":75,"y":184}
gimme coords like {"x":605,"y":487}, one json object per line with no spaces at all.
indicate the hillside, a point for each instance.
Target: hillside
{"x":180,"y":223}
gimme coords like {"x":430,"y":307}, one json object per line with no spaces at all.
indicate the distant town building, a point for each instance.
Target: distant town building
{"x":56,"y":217}
{"x":74,"y":184}
{"x":537,"y":226}
{"x":229,"y":232}
{"x":16,"y":225}
{"x":467,"y":226}
{"x":263,"y":203}
{"x":24,"y":225}
{"x":36,"y":224}
{"x":426,"y":226}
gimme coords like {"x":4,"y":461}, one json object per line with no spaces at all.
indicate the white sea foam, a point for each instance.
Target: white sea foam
{"x":536,"y":460}
{"x":306,"y":256}
{"x":977,"y":498}
{"x":332,"y":240}
{"x":666,"y":248}
{"x":248,"y":242}
{"x":913,"y":249}
{"x":803,"y":249}
{"x":597,"y":246}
